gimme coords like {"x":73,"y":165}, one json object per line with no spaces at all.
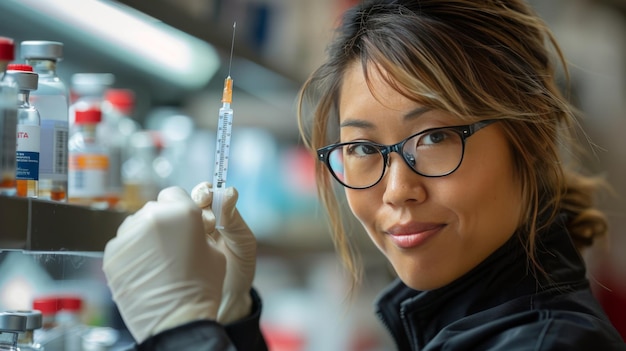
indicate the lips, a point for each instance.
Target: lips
{"x":414,"y":234}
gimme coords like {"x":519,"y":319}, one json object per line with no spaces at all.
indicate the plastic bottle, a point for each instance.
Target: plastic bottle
{"x":115,"y":131}
{"x":28,"y":131}
{"x":11,"y":325}
{"x":26,"y":340}
{"x":8,"y":119}
{"x":51,"y":99}
{"x":88,"y":159}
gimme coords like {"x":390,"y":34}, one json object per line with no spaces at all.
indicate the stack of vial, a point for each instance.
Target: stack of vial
{"x":34,"y":117}
{"x":47,"y":148}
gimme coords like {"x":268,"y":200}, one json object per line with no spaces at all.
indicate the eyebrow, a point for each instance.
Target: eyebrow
{"x":413,"y":114}
{"x":359,"y":123}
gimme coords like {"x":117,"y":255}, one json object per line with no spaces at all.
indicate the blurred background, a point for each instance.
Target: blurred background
{"x":173,"y":55}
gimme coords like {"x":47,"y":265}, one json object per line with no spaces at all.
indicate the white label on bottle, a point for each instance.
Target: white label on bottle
{"x":54,"y":153}
{"x":54,"y":136}
{"x":27,"y":152}
{"x":87,"y":176}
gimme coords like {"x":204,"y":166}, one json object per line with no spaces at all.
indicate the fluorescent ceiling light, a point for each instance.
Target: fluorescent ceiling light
{"x":136,"y":39}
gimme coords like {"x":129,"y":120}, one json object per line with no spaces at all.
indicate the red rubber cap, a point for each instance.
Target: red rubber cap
{"x":122,"y":99}
{"x":71,"y":303}
{"x":91,"y":115}
{"x":19,"y":67}
{"x":47,"y":305}
{"x":7,"y":49}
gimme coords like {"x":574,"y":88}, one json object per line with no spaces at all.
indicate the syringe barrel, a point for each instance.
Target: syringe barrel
{"x":222,"y":145}
{"x":222,"y":151}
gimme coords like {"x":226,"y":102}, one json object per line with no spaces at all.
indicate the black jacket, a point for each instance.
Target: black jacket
{"x":500,"y":305}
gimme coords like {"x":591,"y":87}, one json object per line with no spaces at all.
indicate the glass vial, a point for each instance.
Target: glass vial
{"x":11,"y":325}
{"x":115,"y":131}
{"x":88,"y":159}
{"x":28,"y":131}
{"x":51,"y":99}
{"x":8,"y":119}
{"x":138,"y":175}
{"x":50,"y":334}
{"x":26,"y":340}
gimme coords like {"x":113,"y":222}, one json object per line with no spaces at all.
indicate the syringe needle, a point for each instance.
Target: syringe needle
{"x":232,"y":46}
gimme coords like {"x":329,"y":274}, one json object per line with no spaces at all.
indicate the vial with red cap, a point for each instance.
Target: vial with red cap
{"x":52,"y":101}
{"x":8,"y":119}
{"x":116,"y":129}
{"x":88,"y":159}
{"x":50,"y":336}
{"x":28,"y":145}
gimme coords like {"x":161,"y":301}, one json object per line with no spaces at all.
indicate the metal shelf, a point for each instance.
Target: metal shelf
{"x":40,"y":225}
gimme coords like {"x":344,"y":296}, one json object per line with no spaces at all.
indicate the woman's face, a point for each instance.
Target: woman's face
{"x":432,"y":230}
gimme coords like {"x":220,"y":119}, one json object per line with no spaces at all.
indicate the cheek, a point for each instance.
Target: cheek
{"x":364,"y":205}
{"x":490,"y":209}
{"x":358,"y":204}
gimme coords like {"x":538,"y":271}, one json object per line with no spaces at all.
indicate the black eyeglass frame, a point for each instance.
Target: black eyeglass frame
{"x":464,"y":131}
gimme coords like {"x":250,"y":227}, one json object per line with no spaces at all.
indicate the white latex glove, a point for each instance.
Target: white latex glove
{"x":160,"y":269}
{"x":238,"y":245}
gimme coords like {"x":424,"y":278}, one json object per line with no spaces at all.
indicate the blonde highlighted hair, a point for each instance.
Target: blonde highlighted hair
{"x":479,"y":59}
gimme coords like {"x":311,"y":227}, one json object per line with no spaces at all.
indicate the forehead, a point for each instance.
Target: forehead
{"x":363,"y":90}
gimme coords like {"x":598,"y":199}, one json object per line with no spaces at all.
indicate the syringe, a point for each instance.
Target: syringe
{"x":222,"y":147}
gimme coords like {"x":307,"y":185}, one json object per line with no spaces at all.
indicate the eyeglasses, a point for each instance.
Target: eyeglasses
{"x":435,"y":152}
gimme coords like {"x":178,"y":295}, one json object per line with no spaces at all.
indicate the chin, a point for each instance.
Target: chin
{"x":421,"y":282}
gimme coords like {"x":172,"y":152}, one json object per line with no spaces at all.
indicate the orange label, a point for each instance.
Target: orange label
{"x":88,"y":162}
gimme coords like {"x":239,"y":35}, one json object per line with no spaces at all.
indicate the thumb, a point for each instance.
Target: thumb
{"x":202,"y":195}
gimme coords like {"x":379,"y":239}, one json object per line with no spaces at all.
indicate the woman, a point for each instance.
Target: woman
{"x":443,"y":122}
{"x":446,"y":125}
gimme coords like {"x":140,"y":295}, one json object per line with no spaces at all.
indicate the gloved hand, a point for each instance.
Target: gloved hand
{"x":238,"y":245}
{"x":161,"y":270}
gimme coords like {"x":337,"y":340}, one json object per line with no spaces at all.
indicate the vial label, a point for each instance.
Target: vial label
{"x":54,"y":153}
{"x":27,"y":152}
{"x":88,"y":175}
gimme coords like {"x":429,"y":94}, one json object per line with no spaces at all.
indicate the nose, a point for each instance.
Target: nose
{"x":402,"y":184}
